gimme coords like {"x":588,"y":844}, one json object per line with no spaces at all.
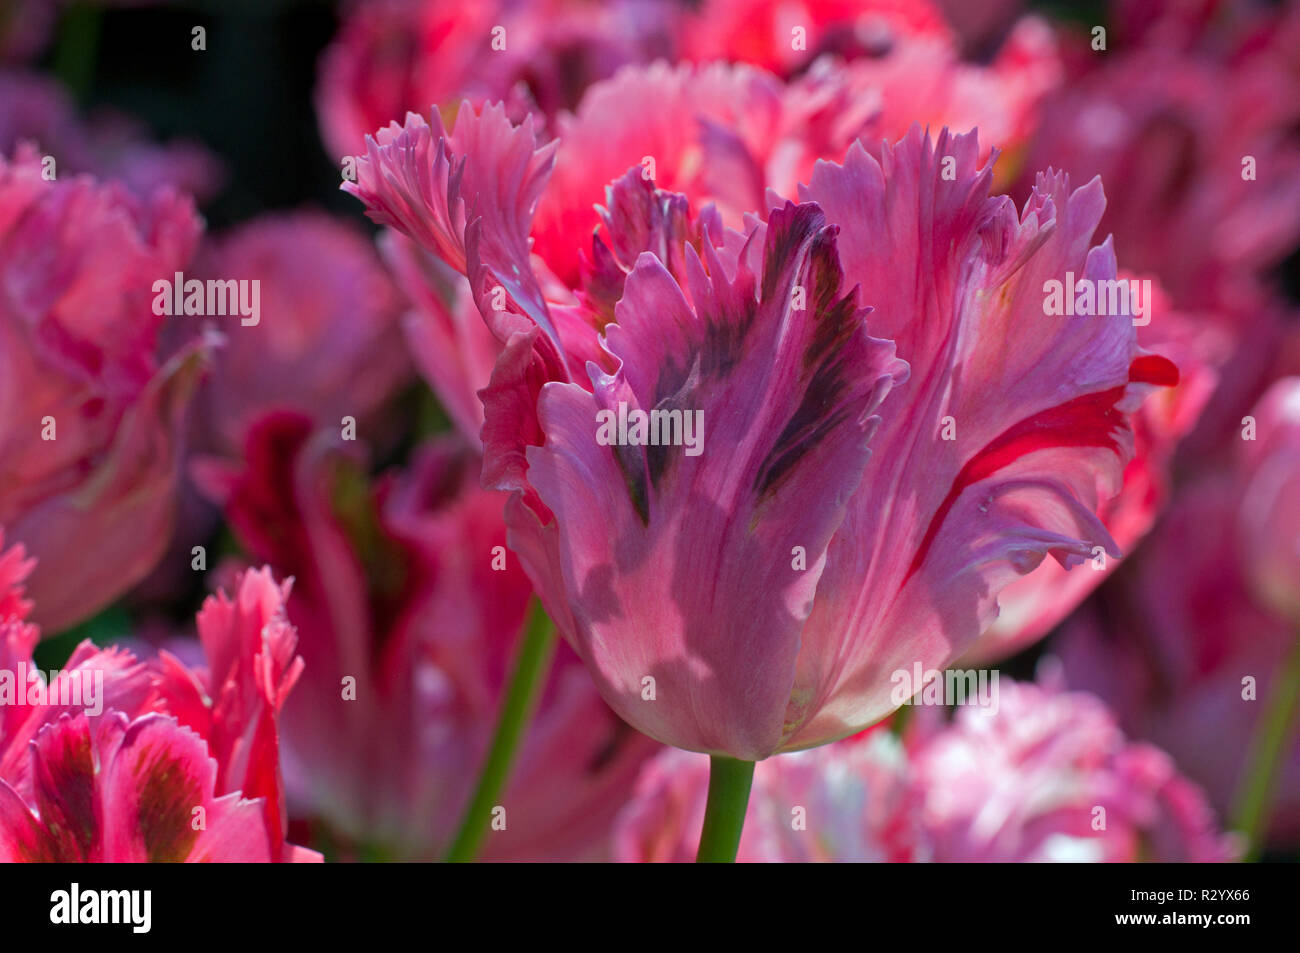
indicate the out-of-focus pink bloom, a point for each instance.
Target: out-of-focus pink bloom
{"x":1218,"y":28}
{"x":1196,"y":151}
{"x":117,"y":760}
{"x":725,"y":134}
{"x":1189,"y":118}
{"x":328,"y":340}
{"x":389,"y":53}
{"x":980,"y":22}
{"x":784,"y":37}
{"x":898,"y":57}
{"x":89,"y":421}
{"x":1049,"y":776}
{"x":402,"y":594}
{"x":1270,"y":511}
{"x":397,"y":56}
{"x":691,"y":568}
{"x":924,"y":80}
{"x":849,"y":802}
{"x":1171,"y":651}
{"x":1034,"y":604}
{"x":1259,"y":329}
{"x":107,"y":144}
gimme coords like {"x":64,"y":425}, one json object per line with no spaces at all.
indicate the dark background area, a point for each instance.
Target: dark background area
{"x":248,"y":97}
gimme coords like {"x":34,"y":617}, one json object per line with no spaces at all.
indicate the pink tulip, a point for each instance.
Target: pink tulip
{"x":404,"y":591}
{"x":1270,"y":511}
{"x":236,"y":702}
{"x":163,"y":763}
{"x":327,"y":339}
{"x":119,"y":792}
{"x":89,"y":420}
{"x":1049,"y":776}
{"x":922,"y":78}
{"x":786,"y":37}
{"x":1193,"y":146}
{"x":646,"y":558}
{"x":704,"y":131}
{"x":725,"y":134}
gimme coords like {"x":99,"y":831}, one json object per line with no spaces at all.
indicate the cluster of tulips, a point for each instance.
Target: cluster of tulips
{"x":687,"y":419}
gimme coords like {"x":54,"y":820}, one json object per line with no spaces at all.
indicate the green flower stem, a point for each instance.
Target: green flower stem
{"x":724,"y":815}
{"x":1267,"y":751}
{"x":531,"y":666}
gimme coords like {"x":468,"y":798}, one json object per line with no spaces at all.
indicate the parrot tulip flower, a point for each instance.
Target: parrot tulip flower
{"x":121,"y":760}
{"x":756,"y":598}
{"x":127,"y":792}
{"x":328,"y":342}
{"x":90,"y":419}
{"x":1050,"y":776}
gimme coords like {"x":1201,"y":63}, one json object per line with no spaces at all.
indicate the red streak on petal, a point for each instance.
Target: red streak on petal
{"x":1088,"y":421}
{"x":1153,"y":369}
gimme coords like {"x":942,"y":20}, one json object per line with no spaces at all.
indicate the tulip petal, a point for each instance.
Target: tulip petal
{"x":251,"y":648}
{"x":160,"y":774}
{"x":63,"y":771}
{"x":127,"y":508}
{"x":1035,"y":404}
{"x":657,"y":542}
{"x":23,"y":839}
{"x":468,"y":197}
